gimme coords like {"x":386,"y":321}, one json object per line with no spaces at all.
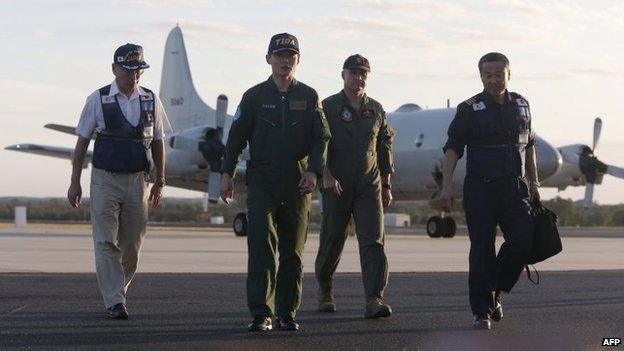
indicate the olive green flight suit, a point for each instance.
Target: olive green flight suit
{"x":287,"y":135}
{"x":359,"y":151}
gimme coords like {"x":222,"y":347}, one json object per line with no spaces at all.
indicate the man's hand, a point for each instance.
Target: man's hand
{"x":155,"y":197}
{"x":386,"y":197}
{"x":329,"y":182}
{"x":534,"y":194}
{"x":447,"y":200}
{"x":226,"y":188}
{"x":307,"y":184}
{"x":74,"y":194}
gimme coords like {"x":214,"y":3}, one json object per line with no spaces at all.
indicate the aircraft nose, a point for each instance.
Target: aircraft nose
{"x":549,"y":160}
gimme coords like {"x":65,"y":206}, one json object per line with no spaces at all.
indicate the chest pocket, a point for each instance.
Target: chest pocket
{"x":369,"y":129}
{"x":263,"y":135}
{"x":485,"y":123}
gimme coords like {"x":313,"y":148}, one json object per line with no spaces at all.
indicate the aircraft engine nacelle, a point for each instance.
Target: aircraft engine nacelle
{"x":549,"y":160}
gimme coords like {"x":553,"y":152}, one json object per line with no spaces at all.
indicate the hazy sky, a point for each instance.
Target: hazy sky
{"x":567,"y":58}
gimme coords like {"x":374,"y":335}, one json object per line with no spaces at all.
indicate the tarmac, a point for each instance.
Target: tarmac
{"x":189,"y":294}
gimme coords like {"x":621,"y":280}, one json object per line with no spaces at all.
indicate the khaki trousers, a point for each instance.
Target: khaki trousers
{"x":119,"y":219}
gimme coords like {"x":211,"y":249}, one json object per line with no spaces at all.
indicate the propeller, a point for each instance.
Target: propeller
{"x":592,"y":168}
{"x":213,"y":148}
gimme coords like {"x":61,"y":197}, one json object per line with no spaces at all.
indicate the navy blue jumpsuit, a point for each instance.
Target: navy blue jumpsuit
{"x":495,"y":191}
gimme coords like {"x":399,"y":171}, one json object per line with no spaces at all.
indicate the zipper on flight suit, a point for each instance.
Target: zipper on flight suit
{"x":283,"y":113}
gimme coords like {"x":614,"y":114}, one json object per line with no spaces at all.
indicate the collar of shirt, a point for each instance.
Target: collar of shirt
{"x":489,"y":99}
{"x":363,"y":105}
{"x":291,"y":87}
{"x":114,"y":90}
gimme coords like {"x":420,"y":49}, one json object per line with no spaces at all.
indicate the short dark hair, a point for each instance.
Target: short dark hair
{"x":493,"y":57}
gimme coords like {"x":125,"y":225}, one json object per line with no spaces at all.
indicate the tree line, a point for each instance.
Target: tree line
{"x":190,"y":211}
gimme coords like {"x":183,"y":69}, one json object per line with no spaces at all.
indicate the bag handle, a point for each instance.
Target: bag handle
{"x":528,"y":271}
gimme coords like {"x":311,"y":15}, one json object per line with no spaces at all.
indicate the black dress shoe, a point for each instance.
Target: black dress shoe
{"x":260,"y":323}
{"x":118,"y":311}
{"x":497,"y":314}
{"x":287,"y":323}
{"x":482,"y":322}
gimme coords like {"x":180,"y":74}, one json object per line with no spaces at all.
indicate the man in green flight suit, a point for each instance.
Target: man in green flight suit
{"x":356,"y":182}
{"x":283,"y":122}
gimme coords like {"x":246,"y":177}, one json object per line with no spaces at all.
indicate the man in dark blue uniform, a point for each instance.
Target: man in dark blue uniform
{"x":501,"y":179}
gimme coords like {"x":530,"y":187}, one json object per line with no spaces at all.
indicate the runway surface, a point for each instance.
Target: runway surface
{"x":69,"y":249}
{"x":567,"y":311}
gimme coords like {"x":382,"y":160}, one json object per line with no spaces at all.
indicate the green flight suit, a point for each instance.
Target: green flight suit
{"x":359,"y":152}
{"x":287,"y":135}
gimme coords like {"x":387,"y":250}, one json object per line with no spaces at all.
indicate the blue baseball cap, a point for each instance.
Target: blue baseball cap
{"x":130,"y":56}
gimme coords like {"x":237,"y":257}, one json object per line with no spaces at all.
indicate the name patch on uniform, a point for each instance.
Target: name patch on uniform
{"x":108,"y":99}
{"x":522,"y":102}
{"x":479,"y":106}
{"x":268,"y":106}
{"x":368,"y":113}
{"x":298,"y":105}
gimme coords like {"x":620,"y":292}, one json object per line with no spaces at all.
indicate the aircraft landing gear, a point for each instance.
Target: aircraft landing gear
{"x":438,"y":226}
{"x":240,"y":224}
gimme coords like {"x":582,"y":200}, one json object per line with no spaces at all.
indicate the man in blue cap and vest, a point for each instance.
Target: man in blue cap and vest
{"x":127,"y":122}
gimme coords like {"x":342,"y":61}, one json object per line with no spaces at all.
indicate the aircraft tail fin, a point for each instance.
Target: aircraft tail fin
{"x":185,"y":109}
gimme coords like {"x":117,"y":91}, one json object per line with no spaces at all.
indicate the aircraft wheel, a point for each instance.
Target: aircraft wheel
{"x":435,"y":227}
{"x":240,"y":224}
{"x":450,"y":227}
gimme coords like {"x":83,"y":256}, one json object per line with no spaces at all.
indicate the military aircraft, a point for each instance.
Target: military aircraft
{"x":196,"y":144}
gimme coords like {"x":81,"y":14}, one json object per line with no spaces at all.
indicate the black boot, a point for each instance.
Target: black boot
{"x":260,"y":323}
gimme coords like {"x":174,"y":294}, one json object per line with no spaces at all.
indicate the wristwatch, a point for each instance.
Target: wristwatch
{"x":160,"y":182}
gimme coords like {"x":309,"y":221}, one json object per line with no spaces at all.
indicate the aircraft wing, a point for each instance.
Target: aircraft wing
{"x":52,"y":151}
{"x":64,"y":129}
{"x":61,"y":128}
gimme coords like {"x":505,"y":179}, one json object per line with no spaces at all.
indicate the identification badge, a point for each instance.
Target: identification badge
{"x":147,"y":97}
{"x":346,"y":115}
{"x":149,"y":118}
{"x":298,"y":105}
{"x":479,"y":106}
{"x":523,"y":138}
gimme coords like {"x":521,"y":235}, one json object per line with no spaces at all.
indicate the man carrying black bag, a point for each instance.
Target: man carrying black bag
{"x":501,"y":178}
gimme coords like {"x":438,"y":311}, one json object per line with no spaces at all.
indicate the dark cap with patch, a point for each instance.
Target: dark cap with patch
{"x":356,"y":61}
{"x":130,"y":56}
{"x":283,"y":42}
